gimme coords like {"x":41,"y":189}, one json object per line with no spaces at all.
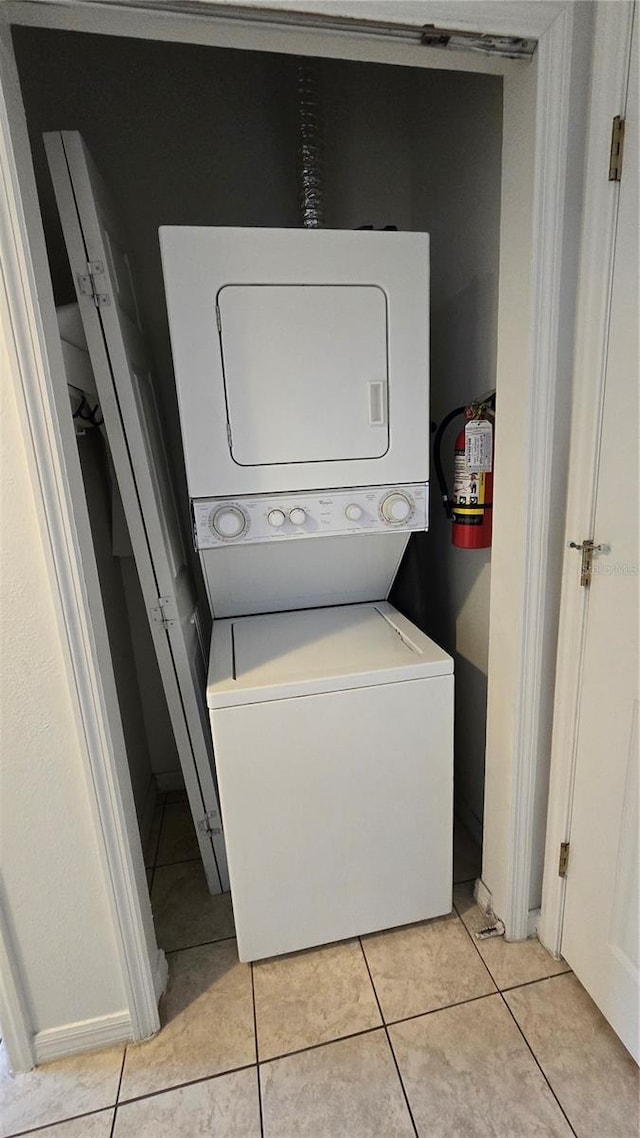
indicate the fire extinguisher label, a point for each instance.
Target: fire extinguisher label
{"x":478,"y":437}
{"x":468,"y":492}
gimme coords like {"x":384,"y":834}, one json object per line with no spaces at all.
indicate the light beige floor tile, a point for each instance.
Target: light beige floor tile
{"x":184,"y":911}
{"x":509,"y":964}
{"x":226,"y":1107}
{"x":421,"y":967}
{"x":312,"y":997}
{"x":348,"y":1089}
{"x":89,"y":1126}
{"x":467,"y":1071}
{"x":151,"y":844}
{"x":207,"y":1016}
{"x":59,"y":1090}
{"x":593,"y":1075}
{"x":467,"y":855}
{"x":178,"y":840}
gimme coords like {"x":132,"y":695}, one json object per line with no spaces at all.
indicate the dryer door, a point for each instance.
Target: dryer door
{"x":305,"y":372}
{"x":301,"y":357}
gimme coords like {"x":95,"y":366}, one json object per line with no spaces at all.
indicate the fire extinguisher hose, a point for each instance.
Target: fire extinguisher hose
{"x":437,"y":459}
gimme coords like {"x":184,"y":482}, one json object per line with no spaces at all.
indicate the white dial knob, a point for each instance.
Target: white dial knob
{"x":396,"y":508}
{"x":353,"y":512}
{"x":297,"y":516}
{"x":229,"y":521}
{"x":276,"y":518}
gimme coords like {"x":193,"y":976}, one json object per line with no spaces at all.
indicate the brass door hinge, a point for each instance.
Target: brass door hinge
{"x":587,"y":549}
{"x":563,"y":860}
{"x":617,"y":147}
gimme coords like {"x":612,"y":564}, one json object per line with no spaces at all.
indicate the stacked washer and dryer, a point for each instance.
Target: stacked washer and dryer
{"x":302,"y":370}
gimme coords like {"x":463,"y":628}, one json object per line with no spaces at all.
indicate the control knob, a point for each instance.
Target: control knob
{"x":396,"y":508}
{"x":297,"y":516}
{"x":353,"y":512}
{"x":228,"y":521}
{"x":276,"y":518}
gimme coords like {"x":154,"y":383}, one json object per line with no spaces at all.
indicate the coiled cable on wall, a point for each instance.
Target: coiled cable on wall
{"x":310,"y":148}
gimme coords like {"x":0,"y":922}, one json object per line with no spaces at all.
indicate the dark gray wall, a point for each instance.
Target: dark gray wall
{"x":207,"y":136}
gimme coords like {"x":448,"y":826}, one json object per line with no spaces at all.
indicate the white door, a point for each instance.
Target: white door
{"x":600,"y":938}
{"x":104,"y":286}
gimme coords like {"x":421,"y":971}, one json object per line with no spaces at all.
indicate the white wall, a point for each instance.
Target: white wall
{"x":52,"y":883}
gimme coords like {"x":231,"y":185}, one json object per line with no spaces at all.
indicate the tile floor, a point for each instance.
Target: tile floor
{"x":422,"y":1031}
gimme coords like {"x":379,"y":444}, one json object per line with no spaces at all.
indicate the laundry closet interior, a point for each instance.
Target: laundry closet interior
{"x":193,"y":136}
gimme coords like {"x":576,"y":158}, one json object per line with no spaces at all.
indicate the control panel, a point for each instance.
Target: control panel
{"x":317,"y":513}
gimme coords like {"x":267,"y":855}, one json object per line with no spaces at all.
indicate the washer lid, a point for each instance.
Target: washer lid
{"x":282,"y":655}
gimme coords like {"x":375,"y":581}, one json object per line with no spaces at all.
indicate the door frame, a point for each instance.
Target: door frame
{"x":36,"y":368}
{"x":35,"y":372}
{"x":612,"y":42}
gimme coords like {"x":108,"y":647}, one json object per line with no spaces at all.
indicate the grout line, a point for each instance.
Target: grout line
{"x":528,"y":1045}
{"x":539,"y":1066}
{"x":180,"y":1086}
{"x":255,"y":1040}
{"x":389,"y":1043}
{"x":370,"y":1030}
{"x":60,"y":1122}
{"x":538,"y":980}
{"x":115,"y":1108}
{"x":441,"y":1008}
{"x":178,"y":861}
{"x":316,"y":1046}
{"x":200,"y":944}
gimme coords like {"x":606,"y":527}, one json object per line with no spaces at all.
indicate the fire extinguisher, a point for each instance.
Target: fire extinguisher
{"x":470,"y":506}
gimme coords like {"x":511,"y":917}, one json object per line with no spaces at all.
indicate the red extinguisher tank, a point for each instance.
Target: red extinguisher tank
{"x":472,"y":499}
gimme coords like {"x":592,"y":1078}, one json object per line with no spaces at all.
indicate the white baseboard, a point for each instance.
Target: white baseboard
{"x":169,"y":780}
{"x":86,"y":1035}
{"x":161,"y":974}
{"x":484,"y":900}
{"x":483,"y":897}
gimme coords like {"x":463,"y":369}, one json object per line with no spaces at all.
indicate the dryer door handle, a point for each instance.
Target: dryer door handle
{"x":377,"y":404}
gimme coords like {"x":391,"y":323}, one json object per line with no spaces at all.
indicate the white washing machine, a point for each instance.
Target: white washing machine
{"x":302,"y":370}
{"x":332,"y":730}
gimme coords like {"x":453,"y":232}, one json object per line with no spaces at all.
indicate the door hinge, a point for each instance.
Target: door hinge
{"x":218,"y":318}
{"x":617,"y":148}
{"x":563,"y":860}
{"x":587,"y":549}
{"x":229,"y":436}
{"x":164,"y":612}
{"x":210,"y":824}
{"x":89,"y":287}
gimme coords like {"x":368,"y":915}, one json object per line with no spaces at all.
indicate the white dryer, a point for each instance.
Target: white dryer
{"x":301,"y":357}
{"x":333,"y":737}
{"x":302,"y":370}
